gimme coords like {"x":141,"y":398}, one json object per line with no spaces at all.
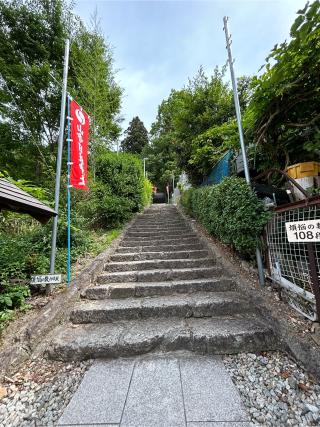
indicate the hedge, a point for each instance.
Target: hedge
{"x":230,"y":211}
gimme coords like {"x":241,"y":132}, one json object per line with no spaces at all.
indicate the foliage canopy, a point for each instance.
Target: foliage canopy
{"x":32,"y":35}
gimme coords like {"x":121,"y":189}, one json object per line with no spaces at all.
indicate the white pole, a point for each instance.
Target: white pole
{"x":242,"y":144}
{"x":59,"y":159}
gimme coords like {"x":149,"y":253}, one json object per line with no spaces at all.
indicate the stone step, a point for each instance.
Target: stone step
{"x":160,"y":237}
{"x":210,"y":304}
{"x":140,"y":256}
{"x":156,"y":248}
{"x":166,"y":215}
{"x":138,"y":290}
{"x":158,"y":234}
{"x":159,"y":223}
{"x":122,"y":339}
{"x":162,"y":241}
{"x":157,"y":227}
{"x":160,"y":275}
{"x":154,"y":264}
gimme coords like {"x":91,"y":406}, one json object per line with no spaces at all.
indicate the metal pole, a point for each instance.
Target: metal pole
{"x":314,"y":276}
{"x":59,"y":160}
{"x":242,"y":144}
{"x":144,"y":166}
{"x":69,"y":195}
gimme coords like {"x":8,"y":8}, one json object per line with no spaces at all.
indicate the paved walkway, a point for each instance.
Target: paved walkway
{"x":165,"y":390}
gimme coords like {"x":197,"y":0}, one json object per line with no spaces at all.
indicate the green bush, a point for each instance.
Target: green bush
{"x":13,"y":297}
{"x":230,"y":211}
{"x":186,"y":200}
{"x":147,"y":192}
{"x":119,"y":190}
{"x":28,"y":252}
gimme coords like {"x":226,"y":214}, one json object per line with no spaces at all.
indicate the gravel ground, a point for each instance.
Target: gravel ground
{"x":275,"y":390}
{"x":38,"y":393}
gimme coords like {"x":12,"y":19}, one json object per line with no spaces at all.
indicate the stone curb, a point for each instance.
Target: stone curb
{"x":30,"y":335}
{"x":278,"y":316}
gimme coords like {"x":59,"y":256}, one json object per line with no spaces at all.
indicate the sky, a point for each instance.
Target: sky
{"x":158,"y":45}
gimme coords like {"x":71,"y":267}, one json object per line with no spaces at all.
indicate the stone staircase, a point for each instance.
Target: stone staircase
{"x":161,"y":290}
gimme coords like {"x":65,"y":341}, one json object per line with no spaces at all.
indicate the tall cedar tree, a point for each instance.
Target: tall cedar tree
{"x":136,"y":137}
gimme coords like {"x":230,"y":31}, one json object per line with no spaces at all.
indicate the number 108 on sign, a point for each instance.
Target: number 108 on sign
{"x":303,"y":231}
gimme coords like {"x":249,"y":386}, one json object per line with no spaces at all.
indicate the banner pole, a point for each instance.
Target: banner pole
{"x":69,"y":196}
{"x":59,"y":160}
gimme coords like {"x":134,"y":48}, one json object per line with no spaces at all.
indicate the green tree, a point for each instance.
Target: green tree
{"x":136,"y":137}
{"x":162,"y":161}
{"x":31,"y":49}
{"x":32,"y":35}
{"x":186,"y":117}
{"x":92,"y":82}
{"x":283,"y":117}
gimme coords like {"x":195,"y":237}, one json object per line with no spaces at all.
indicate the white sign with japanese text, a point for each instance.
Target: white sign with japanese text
{"x":303,"y":231}
{"x":46,"y":278}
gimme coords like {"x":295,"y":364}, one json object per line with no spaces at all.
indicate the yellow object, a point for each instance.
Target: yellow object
{"x":303,"y":170}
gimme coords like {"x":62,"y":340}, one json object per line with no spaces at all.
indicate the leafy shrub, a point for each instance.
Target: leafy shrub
{"x":28,"y":252}
{"x":119,"y":191}
{"x":147,"y":192}
{"x":230,"y":211}
{"x":13,"y":297}
{"x":186,"y":200}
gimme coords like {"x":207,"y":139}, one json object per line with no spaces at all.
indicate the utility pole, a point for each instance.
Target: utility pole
{"x":59,"y":160}
{"x":240,"y":129}
{"x":144,"y":166}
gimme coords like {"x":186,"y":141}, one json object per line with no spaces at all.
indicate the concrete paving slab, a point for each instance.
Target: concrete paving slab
{"x":87,"y":425}
{"x":178,"y":389}
{"x":155,"y":395}
{"x":219,"y":424}
{"x":209,"y":393}
{"x":101,"y":396}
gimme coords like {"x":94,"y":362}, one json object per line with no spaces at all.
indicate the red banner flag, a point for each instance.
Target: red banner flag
{"x":79,"y":146}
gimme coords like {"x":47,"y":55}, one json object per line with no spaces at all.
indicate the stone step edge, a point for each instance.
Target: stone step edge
{"x":142,"y":289}
{"x":160,"y":255}
{"x":165,"y":272}
{"x":155,"y":248}
{"x":159,"y":261}
{"x":183,"y":306}
{"x":149,"y":228}
{"x":154,"y":242}
{"x":160,"y":238}
{"x":171,"y":246}
{"x":224,"y":335}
